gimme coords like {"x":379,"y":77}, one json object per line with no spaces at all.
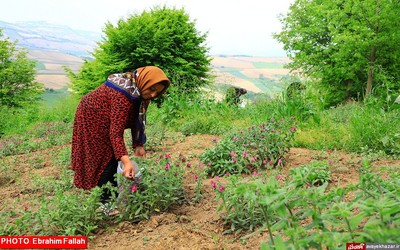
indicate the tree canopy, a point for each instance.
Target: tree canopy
{"x":161,"y":37}
{"x":17,"y":76}
{"x":350,"y":47}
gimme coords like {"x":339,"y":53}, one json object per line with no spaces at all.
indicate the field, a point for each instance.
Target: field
{"x":204,"y":188}
{"x":51,"y":72}
{"x":255,"y":74}
{"x":190,"y":225}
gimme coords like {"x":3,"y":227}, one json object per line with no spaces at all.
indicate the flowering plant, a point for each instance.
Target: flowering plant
{"x":259,"y":146}
{"x":161,"y":186}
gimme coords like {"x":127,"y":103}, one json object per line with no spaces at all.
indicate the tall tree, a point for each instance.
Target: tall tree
{"x":17,"y":76}
{"x":162,"y":37}
{"x":349,"y":46}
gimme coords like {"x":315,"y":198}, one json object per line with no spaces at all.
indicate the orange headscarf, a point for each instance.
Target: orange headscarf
{"x":149,"y":76}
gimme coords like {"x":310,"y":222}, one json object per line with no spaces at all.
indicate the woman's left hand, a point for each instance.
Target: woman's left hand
{"x":140,"y":152}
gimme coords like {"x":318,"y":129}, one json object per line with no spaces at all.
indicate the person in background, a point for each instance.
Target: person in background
{"x":100,"y":121}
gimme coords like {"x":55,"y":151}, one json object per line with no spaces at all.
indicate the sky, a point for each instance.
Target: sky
{"x":235,"y":27}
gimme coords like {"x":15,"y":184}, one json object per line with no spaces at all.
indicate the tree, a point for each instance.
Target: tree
{"x":17,"y":76}
{"x":162,"y":37}
{"x":349,"y":46}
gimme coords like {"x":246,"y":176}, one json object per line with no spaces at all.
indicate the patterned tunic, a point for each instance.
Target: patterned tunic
{"x":98,"y":134}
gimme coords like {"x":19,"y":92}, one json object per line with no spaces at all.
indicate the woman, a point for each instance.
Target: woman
{"x":100,"y":120}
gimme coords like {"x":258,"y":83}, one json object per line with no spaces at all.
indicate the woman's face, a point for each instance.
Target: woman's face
{"x":153,"y":91}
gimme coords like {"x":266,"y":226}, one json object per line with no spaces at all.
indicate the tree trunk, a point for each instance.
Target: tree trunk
{"x":371,"y":69}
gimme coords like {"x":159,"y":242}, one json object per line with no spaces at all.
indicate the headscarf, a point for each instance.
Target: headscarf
{"x":149,"y":76}
{"x":133,"y":84}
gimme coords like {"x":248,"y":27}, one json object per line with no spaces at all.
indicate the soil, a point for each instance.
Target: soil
{"x":192,"y":225}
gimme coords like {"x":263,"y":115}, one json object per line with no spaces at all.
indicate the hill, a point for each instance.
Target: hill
{"x":55,"y":46}
{"x":46,"y":36}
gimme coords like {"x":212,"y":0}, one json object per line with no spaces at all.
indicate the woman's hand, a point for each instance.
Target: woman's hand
{"x":128,"y":171}
{"x":140,"y":152}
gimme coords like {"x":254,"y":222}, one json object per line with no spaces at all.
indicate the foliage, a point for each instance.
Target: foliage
{"x":349,"y":47}
{"x":159,"y":187}
{"x":308,"y":216}
{"x":18,"y":87}
{"x":162,"y":37}
{"x":39,"y":137}
{"x":197,"y":113}
{"x":353,"y":127}
{"x":316,"y":173}
{"x":259,"y":146}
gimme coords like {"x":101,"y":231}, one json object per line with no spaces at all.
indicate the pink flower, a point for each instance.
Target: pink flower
{"x":271,"y":162}
{"x":188,"y":165}
{"x":213,"y":184}
{"x":214,"y":138}
{"x":264,"y":162}
{"x":134,"y":188}
{"x":196,"y":177}
{"x":167,"y":156}
{"x":217,"y":178}
{"x":183,"y":159}
{"x":279,"y":161}
{"x":167,"y":166}
{"x":209,"y":164}
{"x":232,"y":153}
{"x":233,"y":159}
{"x":244,"y":154}
{"x":330,"y":162}
{"x":278,"y":177}
{"x":221,"y":188}
{"x":293,"y":129}
{"x":255,"y":173}
{"x":227,"y":173}
{"x":253,"y":159}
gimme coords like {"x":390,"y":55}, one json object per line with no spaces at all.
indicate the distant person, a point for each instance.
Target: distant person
{"x":233,"y":95}
{"x":295,"y":89}
{"x":100,"y":120}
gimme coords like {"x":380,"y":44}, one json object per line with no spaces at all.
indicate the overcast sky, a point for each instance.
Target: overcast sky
{"x":242,"y":27}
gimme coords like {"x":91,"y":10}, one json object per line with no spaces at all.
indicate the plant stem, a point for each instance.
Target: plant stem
{"x":265,"y":211}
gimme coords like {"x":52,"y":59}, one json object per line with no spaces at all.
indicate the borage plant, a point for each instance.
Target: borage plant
{"x":159,"y":187}
{"x":261,"y":146}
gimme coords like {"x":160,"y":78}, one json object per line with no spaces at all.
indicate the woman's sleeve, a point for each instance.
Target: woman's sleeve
{"x":120,"y":107}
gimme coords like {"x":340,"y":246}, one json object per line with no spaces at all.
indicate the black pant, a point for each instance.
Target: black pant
{"x":108,"y":175}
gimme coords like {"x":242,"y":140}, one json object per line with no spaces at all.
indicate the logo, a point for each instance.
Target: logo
{"x":356,"y":246}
